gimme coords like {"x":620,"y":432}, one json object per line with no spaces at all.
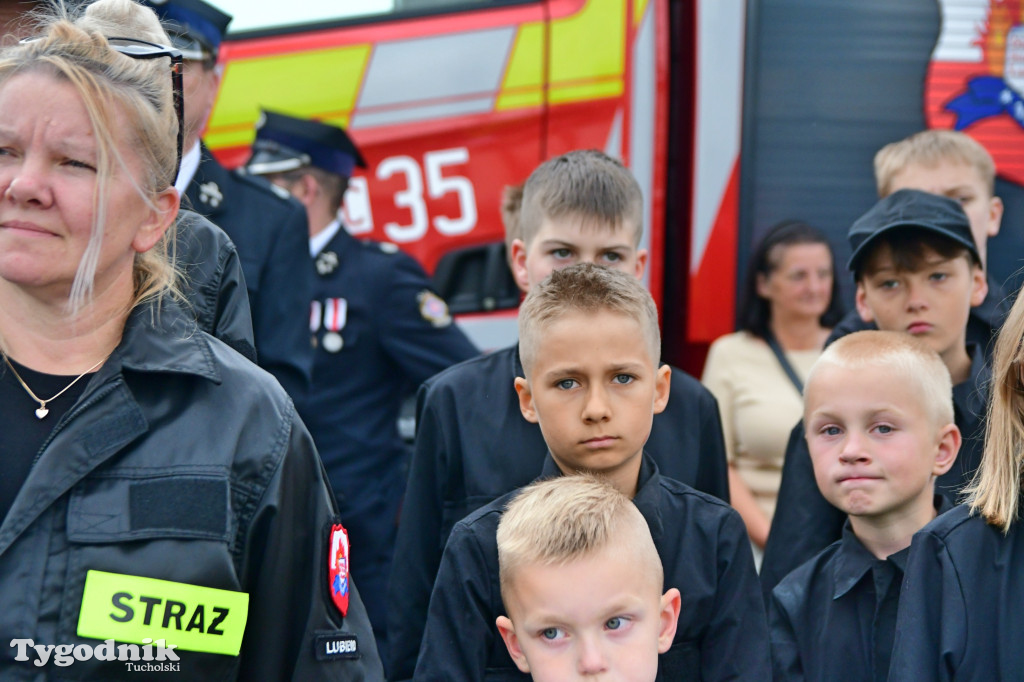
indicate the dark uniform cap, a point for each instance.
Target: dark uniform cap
{"x":195,"y":27}
{"x":284,"y":143}
{"x":911,"y":208}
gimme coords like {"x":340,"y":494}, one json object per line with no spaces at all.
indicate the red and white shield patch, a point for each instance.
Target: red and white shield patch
{"x":337,"y":568}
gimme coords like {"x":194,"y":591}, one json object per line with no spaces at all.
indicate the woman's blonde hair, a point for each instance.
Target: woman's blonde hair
{"x":995,"y":490}
{"x":75,"y":49}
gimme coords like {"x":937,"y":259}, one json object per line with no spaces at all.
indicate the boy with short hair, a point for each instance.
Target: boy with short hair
{"x":589,"y":345}
{"x":804,"y":522}
{"x":472,"y":443}
{"x":582,"y":582}
{"x":879,"y":414}
{"x":951,"y":164}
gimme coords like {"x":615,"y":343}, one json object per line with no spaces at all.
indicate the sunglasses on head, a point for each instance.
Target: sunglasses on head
{"x":142,"y":49}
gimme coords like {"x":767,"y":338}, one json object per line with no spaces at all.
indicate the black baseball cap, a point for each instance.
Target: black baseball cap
{"x":195,"y":27}
{"x":285,"y":143}
{"x":911,"y":208}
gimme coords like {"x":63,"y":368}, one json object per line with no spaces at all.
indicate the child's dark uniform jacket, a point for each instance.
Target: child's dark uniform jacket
{"x":834,"y":617}
{"x":804,"y":521}
{"x":722,"y":633}
{"x":473,"y":445}
{"x":961,"y":609}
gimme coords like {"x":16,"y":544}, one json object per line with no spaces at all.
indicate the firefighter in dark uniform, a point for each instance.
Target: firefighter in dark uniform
{"x":267,"y":226}
{"x":162,"y":507}
{"x":379,"y":331}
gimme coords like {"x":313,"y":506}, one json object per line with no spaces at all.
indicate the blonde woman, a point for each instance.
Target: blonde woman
{"x":161,"y":504}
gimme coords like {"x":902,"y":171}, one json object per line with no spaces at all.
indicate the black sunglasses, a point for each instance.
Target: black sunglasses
{"x":142,"y":49}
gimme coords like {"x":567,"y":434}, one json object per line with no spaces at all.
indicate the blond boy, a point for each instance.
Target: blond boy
{"x":589,"y":344}
{"x":878,"y":412}
{"x":948,"y":163}
{"x":581,"y":581}
{"x":472,"y":443}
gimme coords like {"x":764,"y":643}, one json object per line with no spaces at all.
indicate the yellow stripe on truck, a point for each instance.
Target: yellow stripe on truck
{"x":293,"y":84}
{"x":588,"y":58}
{"x":588,"y":46}
{"x":525,"y":72}
{"x":639,"y":7}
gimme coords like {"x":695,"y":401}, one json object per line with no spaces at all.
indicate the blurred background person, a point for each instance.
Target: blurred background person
{"x":379,"y":331}
{"x":267,"y":226}
{"x":789,"y":306}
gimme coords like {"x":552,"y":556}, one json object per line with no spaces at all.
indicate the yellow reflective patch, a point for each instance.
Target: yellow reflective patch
{"x":291,"y":84}
{"x":525,"y":72}
{"x":130,"y":608}
{"x":639,"y":6}
{"x":573,"y":55}
{"x":576,"y":92}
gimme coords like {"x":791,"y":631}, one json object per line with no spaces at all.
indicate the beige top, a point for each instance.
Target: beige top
{"x":759,"y":407}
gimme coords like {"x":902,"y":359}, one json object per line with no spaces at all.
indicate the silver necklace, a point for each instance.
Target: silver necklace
{"x":42,"y":411}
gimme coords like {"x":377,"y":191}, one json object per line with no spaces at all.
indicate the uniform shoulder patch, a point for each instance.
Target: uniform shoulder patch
{"x":338,"y":568}
{"x":336,"y":646}
{"x":433,"y":309}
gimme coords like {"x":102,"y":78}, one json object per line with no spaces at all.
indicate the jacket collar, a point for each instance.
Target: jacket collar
{"x":648,"y":490}
{"x":160,"y":336}
{"x":969,"y":396}
{"x":995,"y":307}
{"x":853,"y":560}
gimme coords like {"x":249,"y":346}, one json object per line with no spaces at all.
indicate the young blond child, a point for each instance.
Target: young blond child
{"x":472,"y":443}
{"x":582,"y":583}
{"x":878,"y":411}
{"x":961,"y":612}
{"x":589,"y":344}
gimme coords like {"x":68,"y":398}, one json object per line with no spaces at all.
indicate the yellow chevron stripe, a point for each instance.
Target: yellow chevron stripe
{"x":292,"y":84}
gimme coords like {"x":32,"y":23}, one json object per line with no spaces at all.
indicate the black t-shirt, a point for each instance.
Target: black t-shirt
{"x":22,"y":434}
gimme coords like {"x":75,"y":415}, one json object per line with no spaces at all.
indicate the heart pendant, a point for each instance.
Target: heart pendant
{"x":42,"y":412}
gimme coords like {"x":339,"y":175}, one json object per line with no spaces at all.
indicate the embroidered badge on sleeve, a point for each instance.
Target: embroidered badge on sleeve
{"x":337,"y":568}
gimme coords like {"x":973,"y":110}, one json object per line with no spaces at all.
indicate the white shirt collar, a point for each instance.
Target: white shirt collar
{"x":189,"y":166}
{"x":318,"y":241}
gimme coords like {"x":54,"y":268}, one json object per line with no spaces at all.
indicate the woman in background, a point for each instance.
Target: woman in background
{"x":787,"y":311}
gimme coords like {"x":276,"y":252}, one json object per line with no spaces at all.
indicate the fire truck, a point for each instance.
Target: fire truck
{"x":732,"y":115}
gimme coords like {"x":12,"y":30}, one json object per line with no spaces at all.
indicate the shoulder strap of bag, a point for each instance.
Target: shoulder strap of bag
{"x":786,"y":367}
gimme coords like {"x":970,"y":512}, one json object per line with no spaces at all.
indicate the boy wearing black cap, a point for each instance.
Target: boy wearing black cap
{"x":379,"y":330}
{"x":266,"y":225}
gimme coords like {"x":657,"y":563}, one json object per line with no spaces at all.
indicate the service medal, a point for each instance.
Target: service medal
{"x":332,"y":342}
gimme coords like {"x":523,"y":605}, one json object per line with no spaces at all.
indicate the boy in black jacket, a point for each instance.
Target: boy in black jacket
{"x":582,"y":582}
{"x":879,"y":414}
{"x":472,"y":443}
{"x":589,"y":344}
